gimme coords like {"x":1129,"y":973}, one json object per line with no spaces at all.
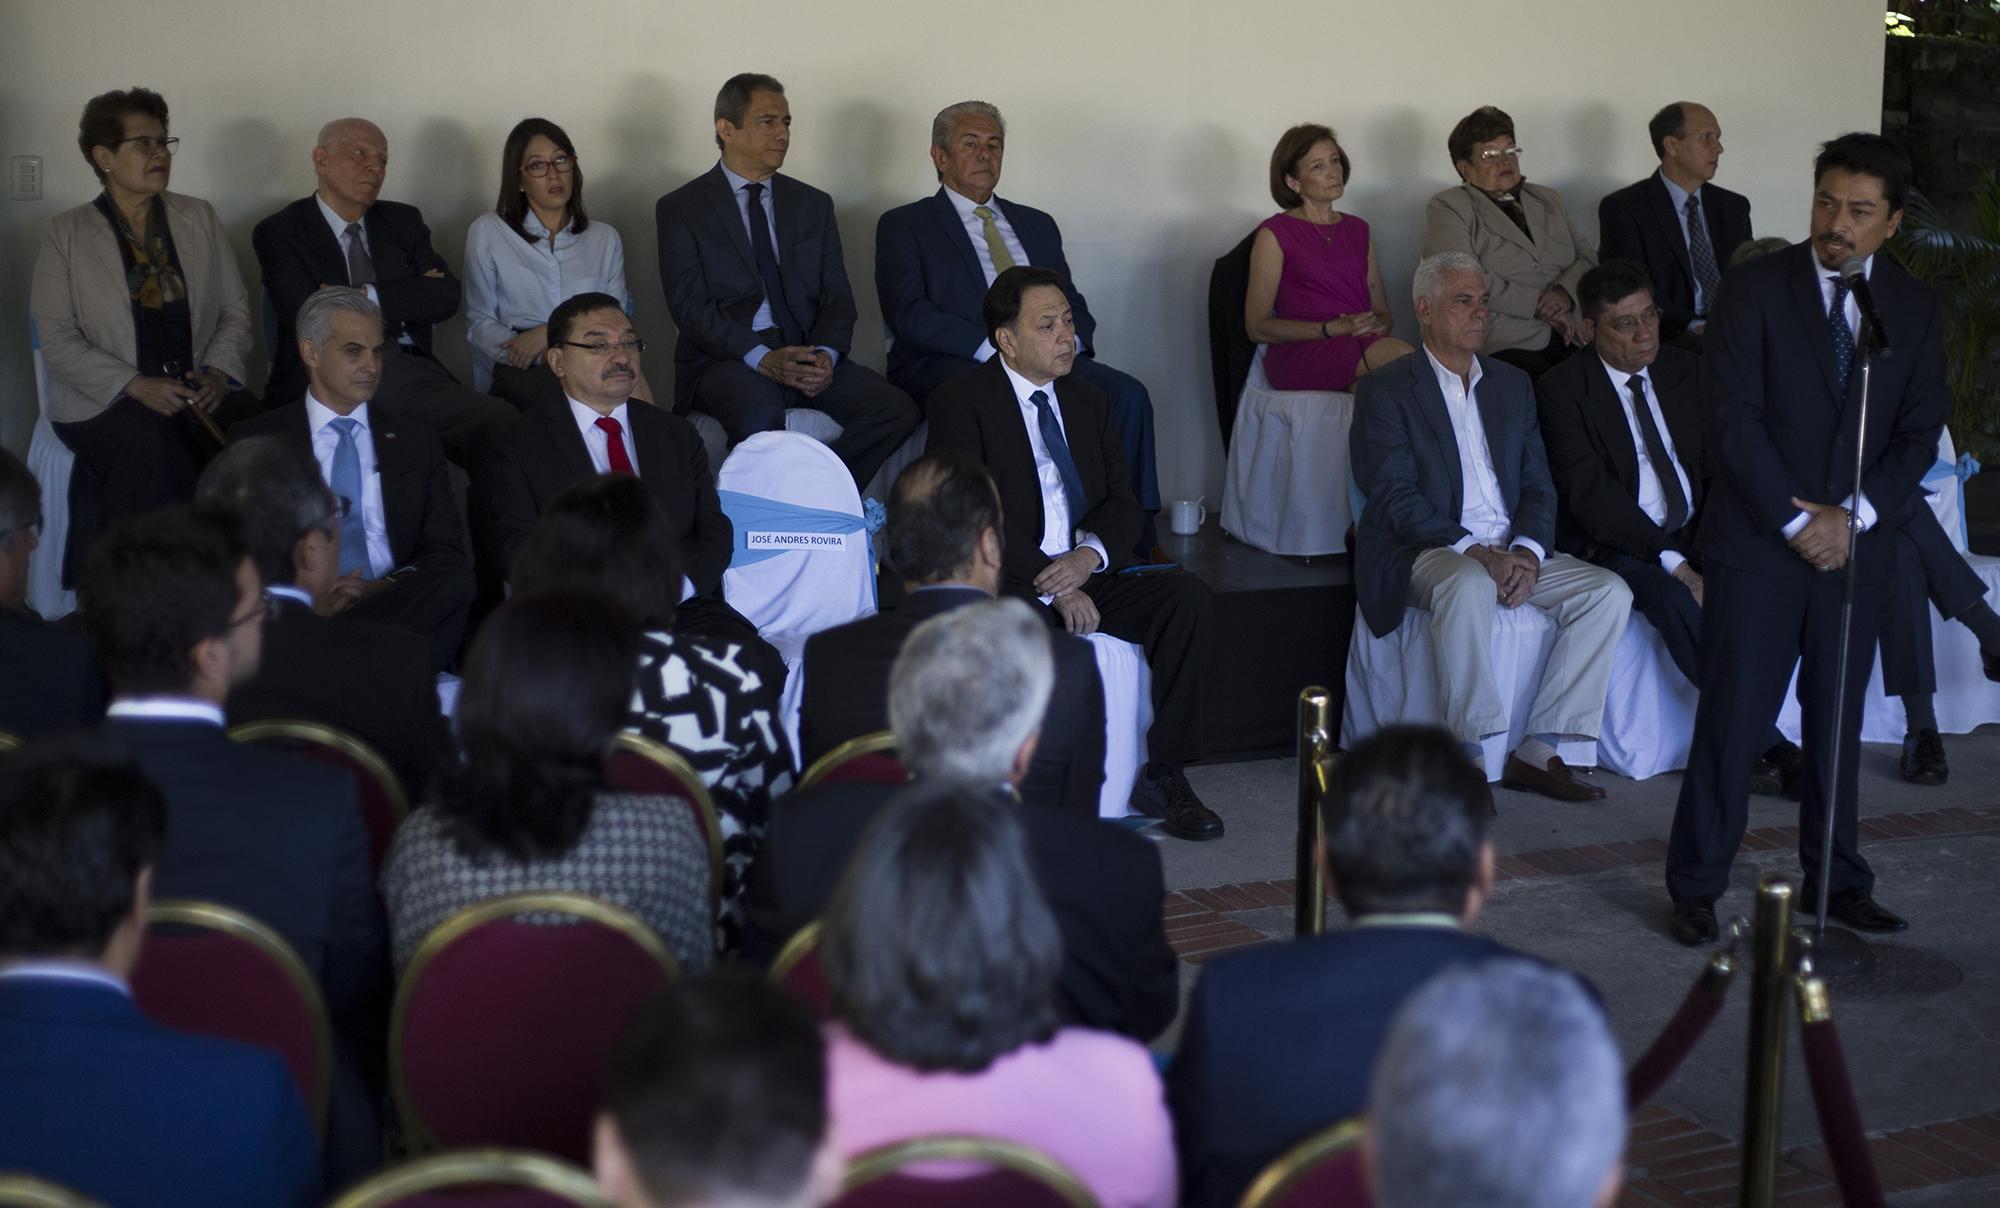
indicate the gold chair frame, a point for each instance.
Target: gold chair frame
{"x":210,"y":916}
{"x":676,"y":765}
{"x":509,"y":1167}
{"x":581,"y":906}
{"x":803,"y":941}
{"x":986,"y":1151}
{"x":321,"y":734}
{"x":1276,"y":1180}
{"x":9,"y":742}
{"x":24,"y":1191}
{"x":853,"y":748}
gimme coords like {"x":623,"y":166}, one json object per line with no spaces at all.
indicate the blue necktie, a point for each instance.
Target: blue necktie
{"x":347,"y":484}
{"x":1843,"y":335}
{"x":767,"y":268}
{"x":1052,"y":437}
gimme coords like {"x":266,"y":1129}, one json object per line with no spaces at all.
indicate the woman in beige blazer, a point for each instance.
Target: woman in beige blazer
{"x":143,"y":322}
{"x":1523,"y":238}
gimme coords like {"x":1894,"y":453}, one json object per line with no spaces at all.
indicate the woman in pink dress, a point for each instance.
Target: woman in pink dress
{"x":1316,"y":297}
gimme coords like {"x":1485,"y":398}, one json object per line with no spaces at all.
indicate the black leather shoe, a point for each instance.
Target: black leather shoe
{"x":1187,"y":817}
{"x":1855,"y":907}
{"x":1694,"y":922}
{"x":1923,"y":758}
{"x":1785,"y":756}
{"x":1987,"y":660}
{"x":1766,"y":780}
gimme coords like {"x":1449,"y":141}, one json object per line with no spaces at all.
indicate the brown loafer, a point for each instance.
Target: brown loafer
{"x":1555,"y":781}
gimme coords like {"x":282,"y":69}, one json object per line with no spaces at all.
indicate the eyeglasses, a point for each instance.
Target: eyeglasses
{"x":1625,"y":325}
{"x":148,"y":145}
{"x":635,"y":344}
{"x":1494,"y":154}
{"x":562,"y":164}
{"x":258,"y":611}
{"x":33,"y":526}
{"x":340,"y":509}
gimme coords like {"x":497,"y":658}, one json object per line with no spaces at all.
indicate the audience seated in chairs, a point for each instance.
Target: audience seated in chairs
{"x":51,"y":683}
{"x":715,"y":702}
{"x":526,"y":809}
{"x":966,"y":697}
{"x":175,"y":612}
{"x":1461,"y":515}
{"x":1279,"y":1039}
{"x":1499,"y":1085}
{"x":373,"y":681}
{"x":943,"y":538}
{"x":717,"y":1095}
{"x":92,"y":1094}
{"x":941,"y":959}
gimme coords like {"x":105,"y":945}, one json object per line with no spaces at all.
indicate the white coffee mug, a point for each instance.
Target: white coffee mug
{"x":1189,"y":516}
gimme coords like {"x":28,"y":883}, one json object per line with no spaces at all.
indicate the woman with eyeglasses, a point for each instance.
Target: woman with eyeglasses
{"x":537,"y":248}
{"x":143,"y":322}
{"x":1531,"y":251}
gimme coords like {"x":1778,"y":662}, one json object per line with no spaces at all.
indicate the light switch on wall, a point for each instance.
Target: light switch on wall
{"x":24,"y":178}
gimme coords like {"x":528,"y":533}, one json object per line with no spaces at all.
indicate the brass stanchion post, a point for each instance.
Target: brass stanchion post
{"x":1315,"y":741}
{"x":1764,"y":1090}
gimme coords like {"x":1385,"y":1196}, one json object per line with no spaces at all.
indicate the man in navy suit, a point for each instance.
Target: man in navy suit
{"x":1677,"y":222}
{"x":174,"y":608}
{"x":51,"y":682}
{"x":1279,"y":1040}
{"x":93,"y":1096}
{"x":936,"y":258}
{"x":1782,"y":381}
{"x":758,"y":290}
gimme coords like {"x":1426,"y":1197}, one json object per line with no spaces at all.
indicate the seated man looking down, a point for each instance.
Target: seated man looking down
{"x":51,"y":681}
{"x":943,"y":538}
{"x":402,"y":549}
{"x":93,"y":1095}
{"x":1279,"y":1039}
{"x":936,"y":258}
{"x":1071,"y":522}
{"x":966,"y":699}
{"x":1460,"y":516}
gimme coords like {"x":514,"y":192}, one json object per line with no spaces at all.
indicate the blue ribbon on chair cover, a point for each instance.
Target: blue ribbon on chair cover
{"x":1950,"y":476}
{"x":766,"y":528}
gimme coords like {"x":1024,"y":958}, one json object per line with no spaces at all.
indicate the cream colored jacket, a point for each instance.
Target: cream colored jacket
{"x":1463,"y":219}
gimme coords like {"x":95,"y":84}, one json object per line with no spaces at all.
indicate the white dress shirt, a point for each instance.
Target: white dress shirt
{"x":339,"y":226}
{"x":512,"y":285}
{"x":79,"y":972}
{"x":762,"y":319}
{"x":1482,"y":509}
{"x":167,"y":708}
{"x":1652,"y":496}
{"x":289,"y":591}
{"x":1863,"y":510}
{"x":597,"y":442}
{"x":975,"y":230}
{"x":1058,"y":537}
{"x":1679,"y":197}
{"x":324,"y":441}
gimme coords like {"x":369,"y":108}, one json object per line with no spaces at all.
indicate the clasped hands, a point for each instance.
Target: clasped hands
{"x":347,"y":591}
{"x":166,"y":395}
{"x":1823,"y":541}
{"x":1514,"y":572}
{"x":1063,"y":578}
{"x":1553,"y":308}
{"x":805,"y":369}
{"x":1366,"y":323}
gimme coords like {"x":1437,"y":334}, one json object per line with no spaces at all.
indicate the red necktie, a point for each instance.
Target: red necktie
{"x":614,"y":444}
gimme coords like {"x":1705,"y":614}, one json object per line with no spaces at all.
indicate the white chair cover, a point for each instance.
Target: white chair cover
{"x":1285,"y":488}
{"x":1128,"y":714}
{"x":51,"y":462}
{"x":1648,"y":721}
{"x":821,"y":427}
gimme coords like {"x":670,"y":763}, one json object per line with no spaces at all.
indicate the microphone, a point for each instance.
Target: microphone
{"x":1857,"y":284}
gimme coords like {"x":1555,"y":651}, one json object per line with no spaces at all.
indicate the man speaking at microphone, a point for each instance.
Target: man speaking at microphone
{"x":1782,"y":385}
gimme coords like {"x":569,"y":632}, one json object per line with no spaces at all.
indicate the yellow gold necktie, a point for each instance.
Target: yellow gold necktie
{"x":996,"y":247}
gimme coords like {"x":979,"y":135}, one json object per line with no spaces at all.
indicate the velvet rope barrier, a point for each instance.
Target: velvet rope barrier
{"x":1698,"y":1010}
{"x":1833,"y":1098}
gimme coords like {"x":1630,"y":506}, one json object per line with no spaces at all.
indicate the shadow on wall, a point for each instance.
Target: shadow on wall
{"x":869,"y":156}
{"x":657,"y":137}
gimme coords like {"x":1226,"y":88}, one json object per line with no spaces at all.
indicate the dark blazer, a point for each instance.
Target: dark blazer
{"x":977,"y":415}
{"x":1783,"y":429}
{"x":932,"y":289}
{"x":1595,"y":465}
{"x":417,"y":504}
{"x":101,"y":1100}
{"x":297,"y":253}
{"x":51,"y":681}
{"x":1103,"y":883}
{"x":847,"y":695}
{"x":712,"y":286}
{"x":1638,"y":223}
{"x":1406,"y":464}
{"x":1280,"y":1040}
{"x":374,"y":681}
{"x":539,"y":455}
{"x":1231,"y":351}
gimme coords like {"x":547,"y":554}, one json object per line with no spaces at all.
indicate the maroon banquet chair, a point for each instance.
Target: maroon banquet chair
{"x":976,"y":1172}
{"x":797,"y":969}
{"x":869,"y":759}
{"x":478,"y":1178}
{"x":638,"y":764}
{"x":215,"y":971}
{"x":1322,"y":1171}
{"x":506,"y":1015}
{"x":383,"y":805}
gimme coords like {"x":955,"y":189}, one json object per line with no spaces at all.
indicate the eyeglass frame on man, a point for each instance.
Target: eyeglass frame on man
{"x":260,"y":612}
{"x":36,"y":525}
{"x":1627,"y":324}
{"x":561,"y":165}
{"x":633,"y":345}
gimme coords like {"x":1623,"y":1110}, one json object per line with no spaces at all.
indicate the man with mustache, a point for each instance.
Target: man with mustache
{"x":1782,"y":384}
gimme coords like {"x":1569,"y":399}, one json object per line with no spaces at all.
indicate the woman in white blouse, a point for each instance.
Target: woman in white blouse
{"x":537,"y":248}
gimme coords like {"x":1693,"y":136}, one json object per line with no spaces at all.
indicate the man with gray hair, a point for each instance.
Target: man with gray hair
{"x":1461,"y":516}
{"x":1499,"y":1085}
{"x":401,"y":553}
{"x":373,"y":681}
{"x":51,"y":682}
{"x":936,"y":258}
{"x":966,"y":699}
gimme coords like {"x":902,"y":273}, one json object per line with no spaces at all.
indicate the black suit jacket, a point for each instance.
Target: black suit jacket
{"x":540,"y":454}
{"x":713,"y":290}
{"x":1103,"y":883}
{"x":847,"y":695}
{"x":1280,"y":1041}
{"x":374,"y":681}
{"x":48,"y":679}
{"x":417,"y":505}
{"x":977,"y":415}
{"x":1783,"y":428}
{"x":297,"y":253}
{"x":1638,"y":223}
{"x":1595,"y":464}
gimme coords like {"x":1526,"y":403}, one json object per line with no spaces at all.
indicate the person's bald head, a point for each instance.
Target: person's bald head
{"x":944,"y":523}
{"x":352,"y":159}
